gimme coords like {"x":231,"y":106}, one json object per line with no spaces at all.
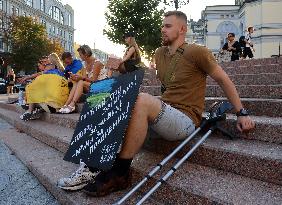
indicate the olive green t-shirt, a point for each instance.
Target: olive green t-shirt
{"x":186,"y":90}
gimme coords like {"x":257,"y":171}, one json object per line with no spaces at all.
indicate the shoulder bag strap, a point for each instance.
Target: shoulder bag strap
{"x":172,"y":66}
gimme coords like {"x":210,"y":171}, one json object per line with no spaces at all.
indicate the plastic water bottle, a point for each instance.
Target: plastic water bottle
{"x":21,"y":97}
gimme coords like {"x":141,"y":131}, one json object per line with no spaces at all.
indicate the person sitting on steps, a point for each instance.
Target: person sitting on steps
{"x":130,"y":59}
{"x":182,"y":69}
{"x":38,"y":92}
{"x":82,"y":83}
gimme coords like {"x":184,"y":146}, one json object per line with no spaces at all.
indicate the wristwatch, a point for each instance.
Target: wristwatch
{"x":242,"y":112}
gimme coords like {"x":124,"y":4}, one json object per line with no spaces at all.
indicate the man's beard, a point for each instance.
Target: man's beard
{"x":167,"y":42}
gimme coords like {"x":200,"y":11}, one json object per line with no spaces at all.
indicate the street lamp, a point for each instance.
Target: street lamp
{"x":177,"y":3}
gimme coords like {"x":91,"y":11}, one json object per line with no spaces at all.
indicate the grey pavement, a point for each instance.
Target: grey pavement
{"x":18,"y":186}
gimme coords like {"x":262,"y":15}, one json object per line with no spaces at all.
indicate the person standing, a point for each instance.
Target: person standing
{"x":11,"y":78}
{"x":249,"y":48}
{"x":232,"y":46}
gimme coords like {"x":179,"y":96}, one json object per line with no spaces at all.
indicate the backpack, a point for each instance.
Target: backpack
{"x":242,"y":41}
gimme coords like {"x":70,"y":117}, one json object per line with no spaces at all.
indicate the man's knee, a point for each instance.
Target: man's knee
{"x":148,"y":104}
{"x":144,"y":99}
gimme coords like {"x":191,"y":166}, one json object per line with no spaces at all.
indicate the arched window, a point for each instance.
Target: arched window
{"x":56,"y":14}
{"x":29,"y":2}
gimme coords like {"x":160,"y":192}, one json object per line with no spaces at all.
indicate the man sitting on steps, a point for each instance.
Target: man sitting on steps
{"x":182,"y":69}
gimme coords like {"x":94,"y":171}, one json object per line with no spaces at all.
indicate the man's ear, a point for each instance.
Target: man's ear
{"x":183,"y":29}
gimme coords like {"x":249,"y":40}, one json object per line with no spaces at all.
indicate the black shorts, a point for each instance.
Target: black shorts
{"x":130,"y":65}
{"x":248,"y":52}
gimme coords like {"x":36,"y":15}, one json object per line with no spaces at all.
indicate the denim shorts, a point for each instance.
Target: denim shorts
{"x":172,"y":124}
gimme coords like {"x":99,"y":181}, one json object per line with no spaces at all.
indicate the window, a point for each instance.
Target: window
{"x":17,"y":11}
{"x":222,"y":16}
{"x":1,"y":4}
{"x":69,"y":20}
{"x":29,"y":2}
{"x":232,"y":15}
{"x":24,"y":14}
{"x":62,"y":18}
{"x":56,"y":14}
{"x":54,"y":29}
{"x":70,"y":37}
{"x":42,"y":5}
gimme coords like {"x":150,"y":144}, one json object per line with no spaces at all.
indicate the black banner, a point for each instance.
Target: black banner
{"x":104,"y":120}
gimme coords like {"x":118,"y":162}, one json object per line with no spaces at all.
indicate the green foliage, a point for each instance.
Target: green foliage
{"x":141,"y":17}
{"x":29,"y":42}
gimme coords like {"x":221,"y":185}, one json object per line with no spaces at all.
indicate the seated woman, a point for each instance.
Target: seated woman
{"x":130,"y":59}
{"x":232,"y":46}
{"x":50,"y":89}
{"x":90,"y":73}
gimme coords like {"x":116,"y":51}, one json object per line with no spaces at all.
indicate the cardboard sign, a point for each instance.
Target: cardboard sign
{"x":104,"y":120}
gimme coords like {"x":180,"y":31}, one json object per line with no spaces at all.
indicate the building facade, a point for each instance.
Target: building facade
{"x":264,"y":15}
{"x":56,"y":17}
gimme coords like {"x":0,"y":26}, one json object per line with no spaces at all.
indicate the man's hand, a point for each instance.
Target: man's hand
{"x":75,"y":77}
{"x":245,"y":123}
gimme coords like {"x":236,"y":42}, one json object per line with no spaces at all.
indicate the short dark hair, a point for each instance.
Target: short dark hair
{"x":128,"y":34}
{"x":249,"y":28}
{"x":85,"y":50}
{"x":66,"y":55}
{"x":178,"y":14}
{"x":231,"y":34}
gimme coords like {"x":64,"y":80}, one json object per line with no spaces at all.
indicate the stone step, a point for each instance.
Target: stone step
{"x":250,"y":62}
{"x":59,"y":138}
{"x":191,"y":184}
{"x":245,"y":91}
{"x":268,"y":129}
{"x":252,"y":79}
{"x":255,"y":159}
{"x":256,"y":106}
{"x":253,"y":69}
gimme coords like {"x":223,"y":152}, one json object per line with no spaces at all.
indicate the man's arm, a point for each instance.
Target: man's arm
{"x":244,"y":123}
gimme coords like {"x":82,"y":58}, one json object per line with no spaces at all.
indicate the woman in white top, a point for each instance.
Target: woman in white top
{"x":82,"y":83}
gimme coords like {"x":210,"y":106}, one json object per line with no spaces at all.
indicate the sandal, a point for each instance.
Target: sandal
{"x":69,"y":109}
{"x":62,"y":109}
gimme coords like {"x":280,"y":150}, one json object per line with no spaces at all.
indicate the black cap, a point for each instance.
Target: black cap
{"x":128,"y":34}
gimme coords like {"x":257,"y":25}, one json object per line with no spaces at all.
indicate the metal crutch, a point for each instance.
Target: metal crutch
{"x":214,"y":118}
{"x":175,"y":151}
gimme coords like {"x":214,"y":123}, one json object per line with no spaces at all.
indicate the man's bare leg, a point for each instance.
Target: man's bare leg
{"x":146,"y":109}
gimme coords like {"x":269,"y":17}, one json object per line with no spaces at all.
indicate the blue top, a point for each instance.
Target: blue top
{"x":54,"y":71}
{"x":74,"y":67}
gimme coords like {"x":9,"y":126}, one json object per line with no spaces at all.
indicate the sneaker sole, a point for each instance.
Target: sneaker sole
{"x":73,"y":188}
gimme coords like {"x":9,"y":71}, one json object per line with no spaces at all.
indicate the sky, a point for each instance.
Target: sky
{"x":89,"y":21}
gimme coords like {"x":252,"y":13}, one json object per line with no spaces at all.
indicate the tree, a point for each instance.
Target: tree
{"x":29,"y":42}
{"x":176,"y":3}
{"x":138,"y":16}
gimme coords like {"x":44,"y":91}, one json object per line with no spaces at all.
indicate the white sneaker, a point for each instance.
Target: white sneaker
{"x":79,"y":179}
{"x":26,"y":116}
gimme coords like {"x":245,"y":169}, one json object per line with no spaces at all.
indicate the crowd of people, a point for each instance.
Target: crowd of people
{"x":57,"y":88}
{"x":242,"y":48}
{"x":182,"y":69}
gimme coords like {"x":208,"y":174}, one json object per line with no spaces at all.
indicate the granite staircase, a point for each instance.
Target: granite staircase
{"x":246,"y":170}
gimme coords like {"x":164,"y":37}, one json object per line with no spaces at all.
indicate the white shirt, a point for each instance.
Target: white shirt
{"x":248,"y":37}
